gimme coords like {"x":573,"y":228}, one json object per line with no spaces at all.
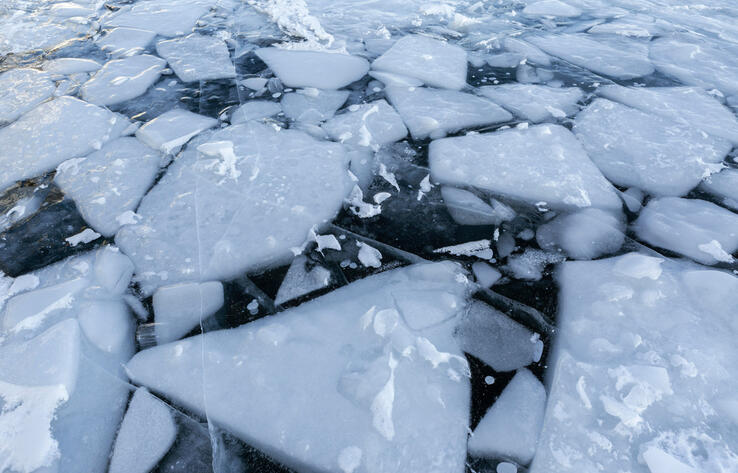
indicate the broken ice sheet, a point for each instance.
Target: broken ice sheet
{"x":237,"y":199}
{"x":197,"y":58}
{"x":345,"y":365}
{"x":122,"y":79}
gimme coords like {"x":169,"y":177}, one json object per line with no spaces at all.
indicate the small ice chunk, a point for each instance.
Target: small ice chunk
{"x":551,"y":8}
{"x":436,"y":111}
{"x":173,"y":129}
{"x":497,"y":340}
{"x":486,"y":275}
{"x":122,"y":79}
{"x":255,"y":83}
{"x":181,"y":307}
{"x":70,"y":65}
{"x":395,"y":80}
{"x":369,"y":256}
{"x":532,"y":54}
{"x":694,"y":228}
{"x":587,"y":234}
{"x":301,"y":279}
{"x":468,"y":209}
{"x":317,"y":69}
{"x":505,"y":60}
{"x":689,"y":106}
{"x":479,"y":249}
{"x":197,"y":58}
{"x":109,"y":182}
{"x":436,"y":63}
{"x":255,"y":110}
{"x":370,"y":124}
{"x":541,"y":163}
{"x":85,"y":236}
{"x":609,"y":60}
{"x":530,"y":265}
{"x":107,"y":324}
{"x":723,"y":185}
{"x":511,"y":427}
{"x":536,"y":103}
{"x":145,"y":435}
{"x":652,"y":153}
{"x":120,"y":42}
{"x":506,"y":467}
{"x":113,"y":270}
{"x":164,"y":17}
{"x":21,"y":90}
{"x":305,"y":107}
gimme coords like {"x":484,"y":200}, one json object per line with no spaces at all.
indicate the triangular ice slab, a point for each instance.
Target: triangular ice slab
{"x":339,"y":384}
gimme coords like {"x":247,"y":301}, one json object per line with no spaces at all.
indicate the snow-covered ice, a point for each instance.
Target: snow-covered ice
{"x":543,"y":163}
{"x":436,"y":112}
{"x":647,"y":151}
{"x":197,"y":58}
{"x":122,"y":79}
{"x":436,"y":63}
{"x":317,"y":69}
{"x":694,"y":228}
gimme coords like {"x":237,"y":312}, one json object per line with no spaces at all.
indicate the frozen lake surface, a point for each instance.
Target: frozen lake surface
{"x":366,"y":236}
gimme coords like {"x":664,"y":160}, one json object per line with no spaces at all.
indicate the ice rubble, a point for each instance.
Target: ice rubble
{"x":122,"y":79}
{"x":145,"y":435}
{"x":163,"y":17}
{"x":370,"y":124}
{"x":587,"y":234}
{"x":313,"y":105}
{"x":647,"y":151}
{"x":65,"y":337}
{"x":602,"y":58}
{"x":536,"y":103}
{"x":318,"y":69}
{"x":632,"y":379}
{"x":51,"y":133}
{"x":180,"y":308}
{"x":436,"y":63}
{"x":544,"y":163}
{"x":109,"y":182}
{"x":172,"y":129}
{"x":511,"y":427}
{"x":333,"y":382}
{"x":197,"y":58}
{"x":694,"y":228}
{"x":21,"y":90}
{"x":120,"y":42}
{"x":435,"y":112}
{"x":689,"y":106}
{"x":238,"y":199}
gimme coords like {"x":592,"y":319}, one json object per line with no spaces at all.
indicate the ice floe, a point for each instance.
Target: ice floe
{"x":536,"y":103}
{"x":317,"y":69}
{"x":21,"y":90}
{"x":197,"y":58}
{"x":122,"y":79}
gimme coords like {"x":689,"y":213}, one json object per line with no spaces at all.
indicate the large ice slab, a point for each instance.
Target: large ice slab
{"x":313,"y":105}
{"x":646,"y":151}
{"x":599,"y":57}
{"x":51,"y":133}
{"x":343,"y":383}
{"x":687,"y":105}
{"x":510,"y":428}
{"x":146,"y":434}
{"x":317,"y":69}
{"x":435,"y":112}
{"x":164,"y":17}
{"x":180,"y":308}
{"x":536,"y":103}
{"x":544,"y":163}
{"x":644,"y":369}
{"x":435,"y":62}
{"x":694,"y":61}
{"x":172,"y":129}
{"x":109,"y":182}
{"x":122,"y":79}
{"x":197,"y":57}
{"x":238,"y":199}
{"x":695,"y":228}
{"x":123,"y":41}
{"x":371,"y":124}
{"x":21,"y":90}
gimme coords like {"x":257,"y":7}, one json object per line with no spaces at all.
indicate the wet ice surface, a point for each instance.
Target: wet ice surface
{"x":368,"y":237}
